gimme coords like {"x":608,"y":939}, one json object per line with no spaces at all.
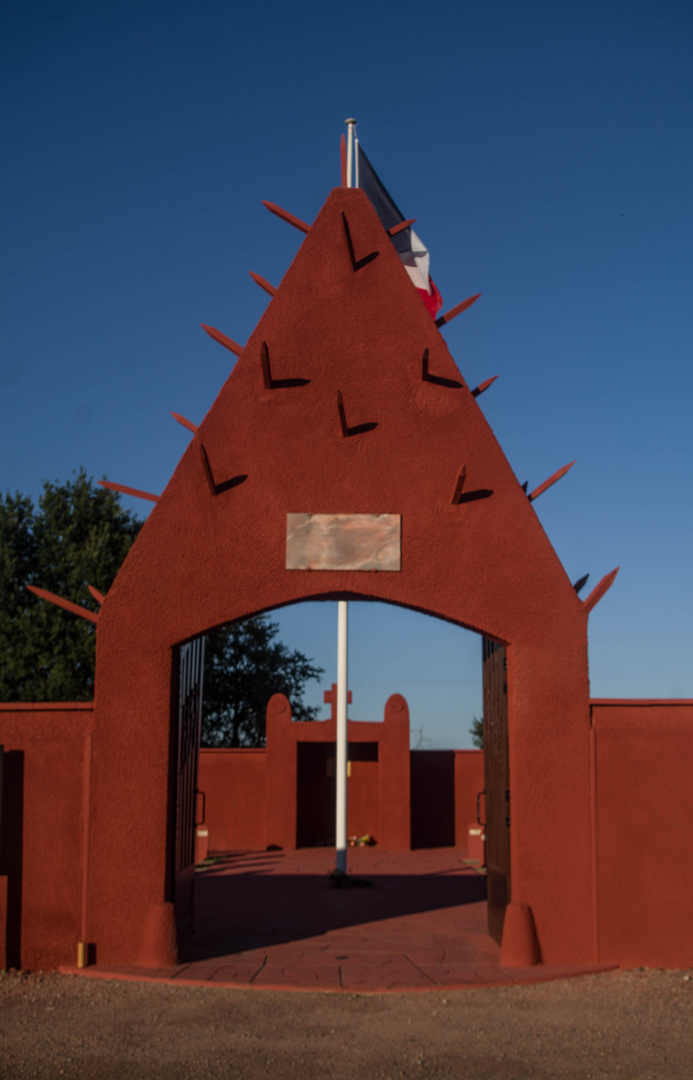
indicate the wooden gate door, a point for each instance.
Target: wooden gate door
{"x":190,"y":678}
{"x":497,"y":782}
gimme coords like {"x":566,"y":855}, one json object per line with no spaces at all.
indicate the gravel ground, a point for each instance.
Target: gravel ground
{"x":630,"y":1024}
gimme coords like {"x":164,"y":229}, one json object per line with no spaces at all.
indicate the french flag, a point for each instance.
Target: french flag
{"x":412,"y":252}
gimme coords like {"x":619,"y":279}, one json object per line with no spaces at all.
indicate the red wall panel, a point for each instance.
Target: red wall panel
{"x":43,"y":830}
{"x":234,"y":785}
{"x":469,"y":781}
{"x":642,"y":767}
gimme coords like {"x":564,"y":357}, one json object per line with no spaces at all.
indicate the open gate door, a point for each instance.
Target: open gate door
{"x":497,"y":783}
{"x":190,"y":679}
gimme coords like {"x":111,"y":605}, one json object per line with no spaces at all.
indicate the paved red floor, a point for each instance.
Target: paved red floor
{"x":271,"y":920}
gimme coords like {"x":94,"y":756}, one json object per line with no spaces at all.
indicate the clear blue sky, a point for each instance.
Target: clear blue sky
{"x":545,"y":149}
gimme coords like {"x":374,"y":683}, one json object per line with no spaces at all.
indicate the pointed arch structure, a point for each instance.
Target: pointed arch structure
{"x":330,"y":410}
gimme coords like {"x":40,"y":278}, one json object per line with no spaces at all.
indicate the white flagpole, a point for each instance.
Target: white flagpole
{"x":342,"y":736}
{"x":343,"y":654}
{"x":351,"y":134}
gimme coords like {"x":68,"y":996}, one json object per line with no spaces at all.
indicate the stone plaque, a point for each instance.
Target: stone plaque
{"x":343,"y":541}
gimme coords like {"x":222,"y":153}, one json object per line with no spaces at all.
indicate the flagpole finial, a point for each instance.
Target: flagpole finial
{"x":350,"y":121}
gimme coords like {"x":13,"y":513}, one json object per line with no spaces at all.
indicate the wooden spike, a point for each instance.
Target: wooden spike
{"x":457,"y":310}
{"x":286,"y":216}
{"x":401,"y":227}
{"x":128,"y":490}
{"x":548,"y":483}
{"x":599,"y":590}
{"x":343,"y":159}
{"x":265,"y":362}
{"x":227,"y":342}
{"x":342,"y":414}
{"x":76,"y":609}
{"x":459,"y":485}
{"x":186,"y":423}
{"x":580,"y":584}
{"x":484,"y":386}
{"x":207,"y":469}
{"x":99,"y":597}
{"x":263,"y":283}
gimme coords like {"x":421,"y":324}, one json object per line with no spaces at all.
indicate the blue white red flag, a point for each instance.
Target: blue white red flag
{"x":412,"y":252}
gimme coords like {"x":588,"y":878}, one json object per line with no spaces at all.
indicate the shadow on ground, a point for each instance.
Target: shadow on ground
{"x":245,"y":902}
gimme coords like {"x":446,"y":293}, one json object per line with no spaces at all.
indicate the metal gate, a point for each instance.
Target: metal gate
{"x":497,"y":782}
{"x":190,"y":678}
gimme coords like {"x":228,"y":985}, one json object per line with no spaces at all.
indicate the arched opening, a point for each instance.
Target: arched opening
{"x":435,"y":664}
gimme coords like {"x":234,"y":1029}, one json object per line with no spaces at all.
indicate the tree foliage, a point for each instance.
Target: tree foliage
{"x":244,"y":666}
{"x":78,"y":536}
{"x":477,"y":733}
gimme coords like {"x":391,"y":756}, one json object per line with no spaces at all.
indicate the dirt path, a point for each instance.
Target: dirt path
{"x":620,"y":1024}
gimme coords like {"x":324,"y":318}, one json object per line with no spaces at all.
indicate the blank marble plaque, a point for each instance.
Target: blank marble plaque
{"x":343,"y":541}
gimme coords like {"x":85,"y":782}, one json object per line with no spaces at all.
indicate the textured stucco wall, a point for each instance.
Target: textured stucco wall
{"x":43,"y":830}
{"x":643,"y":764}
{"x":234,"y":785}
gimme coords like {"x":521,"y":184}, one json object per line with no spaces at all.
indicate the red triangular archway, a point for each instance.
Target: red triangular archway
{"x":345,"y":320}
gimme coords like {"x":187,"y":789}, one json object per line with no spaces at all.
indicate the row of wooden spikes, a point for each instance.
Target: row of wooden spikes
{"x":234,"y":347}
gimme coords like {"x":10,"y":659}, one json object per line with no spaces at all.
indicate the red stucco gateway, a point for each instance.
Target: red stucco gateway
{"x":213,"y":551}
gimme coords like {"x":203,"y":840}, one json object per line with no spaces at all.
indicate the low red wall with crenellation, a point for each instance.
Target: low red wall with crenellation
{"x":47,"y":762}
{"x":642,"y":767}
{"x":444,"y":786}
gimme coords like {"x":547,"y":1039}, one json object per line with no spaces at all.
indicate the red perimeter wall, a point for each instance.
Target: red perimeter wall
{"x":642,"y":755}
{"x":642,"y":763}
{"x":47,"y":760}
{"x":444,"y":786}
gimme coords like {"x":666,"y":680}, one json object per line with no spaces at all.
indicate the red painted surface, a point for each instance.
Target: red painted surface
{"x":469,"y":781}
{"x":550,"y":482}
{"x":520,"y":947}
{"x":355,"y":325}
{"x":599,"y":590}
{"x":75,"y":609}
{"x":262,"y":282}
{"x":46,"y":748}
{"x":422,"y":927}
{"x":643,"y":762}
{"x":124,"y":490}
{"x":234,"y":785}
{"x":286,"y":216}
{"x":432,"y":798}
{"x":444,"y":786}
{"x":457,"y":310}
{"x":347,"y":318}
{"x":201,"y":560}
{"x":390,"y":826}
{"x":201,"y":844}
{"x":476,"y":843}
{"x":222,"y":339}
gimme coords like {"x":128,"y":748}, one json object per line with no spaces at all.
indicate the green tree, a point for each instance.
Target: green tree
{"x":244,"y":666}
{"x":477,"y":733}
{"x":78,"y":536}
